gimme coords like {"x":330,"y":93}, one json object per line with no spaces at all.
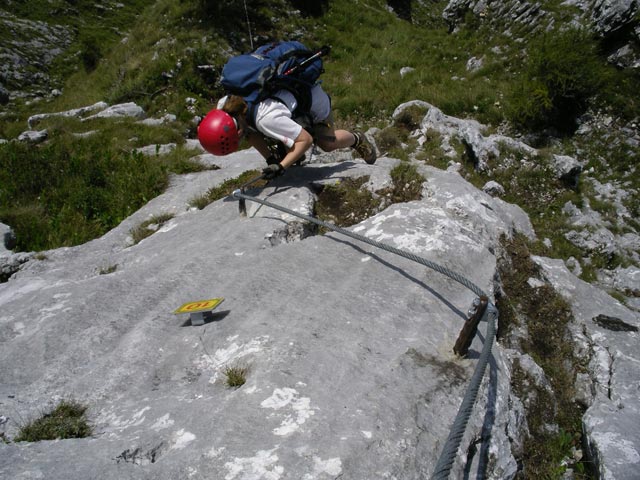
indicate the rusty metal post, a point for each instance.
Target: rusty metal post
{"x":242,"y":205}
{"x":470,"y":327}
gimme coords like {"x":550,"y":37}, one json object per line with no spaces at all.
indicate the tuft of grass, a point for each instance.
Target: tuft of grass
{"x":346,"y":203}
{"x":149,"y":227}
{"x":225,"y":189}
{"x":236,"y":375}
{"x":407,"y":183}
{"x":66,"y":420}
{"x":106,"y":270}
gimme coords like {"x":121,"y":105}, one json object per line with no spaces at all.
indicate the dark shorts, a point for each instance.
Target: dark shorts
{"x":324,"y":130}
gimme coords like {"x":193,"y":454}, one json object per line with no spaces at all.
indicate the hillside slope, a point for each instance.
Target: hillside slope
{"x":347,"y":348}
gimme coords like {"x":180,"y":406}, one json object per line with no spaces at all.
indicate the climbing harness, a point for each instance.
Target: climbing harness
{"x":483,"y":308}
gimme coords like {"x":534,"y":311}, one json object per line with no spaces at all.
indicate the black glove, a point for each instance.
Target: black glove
{"x":273,"y":159}
{"x":272,"y":171}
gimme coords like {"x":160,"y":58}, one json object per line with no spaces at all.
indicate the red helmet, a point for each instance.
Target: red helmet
{"x":218,"y":133}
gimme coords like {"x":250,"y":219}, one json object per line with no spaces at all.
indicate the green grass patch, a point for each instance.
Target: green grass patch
{"x":66,"y":420}
{"x":70,"y":190}
{"x":108,"y":269}
{"x":395,"y":140}
{"x":561,"y":74}
{"x":407,"y":183}
{"x":370,"y":47}
{"x":226,"y":188}
{"x":149,"y":227}
{"x":347,"y":202}
{"x":546,"y":316}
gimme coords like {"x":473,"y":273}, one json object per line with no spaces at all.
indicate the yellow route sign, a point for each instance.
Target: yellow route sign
{"x":200,"y":306}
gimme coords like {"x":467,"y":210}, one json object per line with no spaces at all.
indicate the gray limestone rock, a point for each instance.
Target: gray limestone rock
{"x":27,"y":50}
{"x":349,"y":347}
{"x":153,"y":150}
{"x":10,"y":263}
{"x":406,"y":70}
{"x":599,"y":241}
{"x":610,"y":423}
{"x":511,"y":11}
{"x":76,"y":112}
{"x":567,"y":169}
{"x":471,"y":133}
{"x":623,"y":279}
{"x":167,"y":118}
{"x":574,"y":265}
{"x":611,"y":15}
{"x":625,"y":57}
{"x":8,"y":238}
{"x":582,"y":218}
{"x":493,"y":188}
{"x":474,"y":64}
{"x":33,"y":136}
{"x":128,"y":109}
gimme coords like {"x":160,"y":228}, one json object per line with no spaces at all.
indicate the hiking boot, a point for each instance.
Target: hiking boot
{"x":364,"y":148}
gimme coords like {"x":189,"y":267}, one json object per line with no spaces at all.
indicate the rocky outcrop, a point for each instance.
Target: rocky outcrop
{"x":347,"y":348}
{"x":81,"y":112}
{"x":342,"y":381}
{"x":611,"y":19}
{"x":607,"y":334}
{"x":480,"y":147}
{"x":611,"y":16}
{"x":28,"y":49}
{"x":521,"y":12}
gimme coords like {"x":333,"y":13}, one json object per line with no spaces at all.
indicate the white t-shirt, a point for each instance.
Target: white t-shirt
{"x":273,"y":117}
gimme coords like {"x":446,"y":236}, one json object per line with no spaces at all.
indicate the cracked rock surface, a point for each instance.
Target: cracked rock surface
{"x":349,"y":348}
{"x":610,"y":333}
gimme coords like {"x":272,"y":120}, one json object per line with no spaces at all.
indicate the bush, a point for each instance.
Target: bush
{"x":66,"y":420}
{"x":561,"y":74}
{"x":90,"y":51}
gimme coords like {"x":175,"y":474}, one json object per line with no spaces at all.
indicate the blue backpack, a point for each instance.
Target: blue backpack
{"x":281,"y":65}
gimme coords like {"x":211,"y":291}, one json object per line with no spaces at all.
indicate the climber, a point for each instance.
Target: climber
{"x":281,"y":125}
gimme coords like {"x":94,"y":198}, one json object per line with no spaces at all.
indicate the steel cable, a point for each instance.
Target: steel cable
{"x":450,"y":449}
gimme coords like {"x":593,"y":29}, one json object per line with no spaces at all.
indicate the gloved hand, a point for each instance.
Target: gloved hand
{"x":273,"y":159}
{"x":272,"y":171}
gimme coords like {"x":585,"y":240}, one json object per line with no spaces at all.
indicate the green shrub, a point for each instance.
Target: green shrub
{"x":90,"y":51}
{"x":561,"y":74}
{"x":66,"y":420}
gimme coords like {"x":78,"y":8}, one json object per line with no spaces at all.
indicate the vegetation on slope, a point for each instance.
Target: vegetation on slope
{"x":159,"y":53}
